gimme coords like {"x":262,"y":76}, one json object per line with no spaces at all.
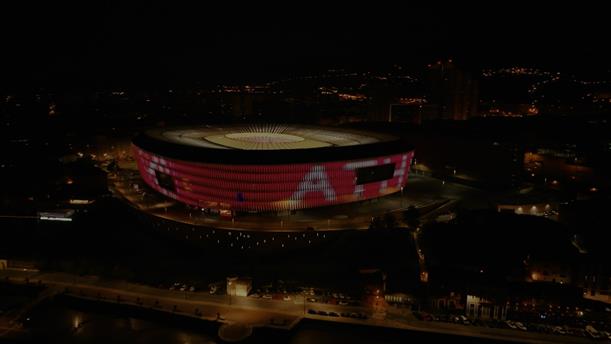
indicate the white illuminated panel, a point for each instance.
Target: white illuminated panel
{"x":60,"y":215}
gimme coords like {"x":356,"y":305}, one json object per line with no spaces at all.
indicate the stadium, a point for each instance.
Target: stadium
{"x":239,"y":169}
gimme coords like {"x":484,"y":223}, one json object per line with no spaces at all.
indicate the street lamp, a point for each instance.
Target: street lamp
{"x":229,"y":291}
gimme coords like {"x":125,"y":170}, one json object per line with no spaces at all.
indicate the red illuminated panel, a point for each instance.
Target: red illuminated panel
{"x":271,"y":187}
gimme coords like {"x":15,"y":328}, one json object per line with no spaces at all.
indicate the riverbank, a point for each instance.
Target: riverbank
{"x":71,"y":320}
{"x":257,"y":313}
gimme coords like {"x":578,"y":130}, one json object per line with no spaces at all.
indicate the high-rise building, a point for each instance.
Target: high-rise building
{"x":453,"y":92}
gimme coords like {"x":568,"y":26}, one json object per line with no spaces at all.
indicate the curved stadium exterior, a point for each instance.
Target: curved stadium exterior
{"x":271,"y":168}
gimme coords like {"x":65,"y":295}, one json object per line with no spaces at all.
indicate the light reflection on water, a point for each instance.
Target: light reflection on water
{"x":56,"y":323}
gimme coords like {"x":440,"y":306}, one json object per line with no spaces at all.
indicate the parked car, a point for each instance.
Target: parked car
{"x":463,"y":320}
{"x":520,"y":326}
{"x":592,"y":332}
{"x":605,"y":335}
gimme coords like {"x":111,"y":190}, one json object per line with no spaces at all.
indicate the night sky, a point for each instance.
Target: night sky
{"x":112,"y":45}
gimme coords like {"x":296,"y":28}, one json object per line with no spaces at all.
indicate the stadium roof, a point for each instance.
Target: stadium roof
{"x":274,"y":144}
{"x":267,"y":137}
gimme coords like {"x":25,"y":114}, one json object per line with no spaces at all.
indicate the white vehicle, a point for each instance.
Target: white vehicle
{"x":592,"y":332}
{"x":559,"y":330}
{"x":267,"y":296}
{"x":520,"y":326}
{"x":287,"y":298}
{"x":605,"y":334}
{"x":510,"y":324}
{"x":463,"y":319}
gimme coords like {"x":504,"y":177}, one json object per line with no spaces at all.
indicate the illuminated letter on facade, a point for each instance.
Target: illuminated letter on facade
{"x":315,"y":181}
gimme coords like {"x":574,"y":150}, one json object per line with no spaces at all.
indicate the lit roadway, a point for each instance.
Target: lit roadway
{"x":257,"y":312}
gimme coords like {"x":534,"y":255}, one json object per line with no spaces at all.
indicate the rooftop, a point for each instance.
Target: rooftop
{"x":267,"y":137}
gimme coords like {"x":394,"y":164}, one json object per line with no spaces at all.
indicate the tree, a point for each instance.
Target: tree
{"x":376,"y":223}
{"x":390,"y":222}
{"x":412,"y":217}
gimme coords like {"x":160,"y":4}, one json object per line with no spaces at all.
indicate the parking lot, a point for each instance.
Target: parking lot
{"x":599,"y":331}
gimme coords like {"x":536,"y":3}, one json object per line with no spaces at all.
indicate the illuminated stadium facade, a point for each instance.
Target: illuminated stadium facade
{"x":271,"y":168}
